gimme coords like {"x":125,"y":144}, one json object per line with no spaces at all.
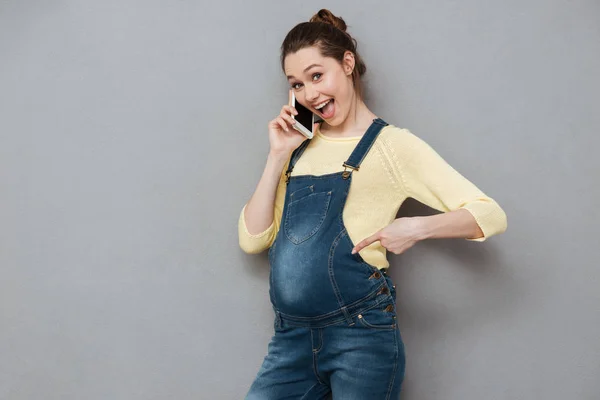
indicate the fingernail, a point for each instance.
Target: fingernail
{"x":353,"y":251}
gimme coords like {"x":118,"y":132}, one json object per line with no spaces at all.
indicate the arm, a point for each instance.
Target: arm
{"x":259,"y":210}
{"x":260,"y":218}
{"x":423,"y":175}
{"x":468,"y":212}
{"x":404,"y":233}
{"x":453,"y":224}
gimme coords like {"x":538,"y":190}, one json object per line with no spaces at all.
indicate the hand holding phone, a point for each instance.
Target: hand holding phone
{"x":282,"y":138}
{"x":305,"y":119}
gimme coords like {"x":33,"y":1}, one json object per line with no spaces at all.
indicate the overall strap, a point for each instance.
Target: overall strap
{"x":363,"y":147}
{"x":295,"y":156}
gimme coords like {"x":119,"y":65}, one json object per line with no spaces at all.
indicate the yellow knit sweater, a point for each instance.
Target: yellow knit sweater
{"x":399,"y":165}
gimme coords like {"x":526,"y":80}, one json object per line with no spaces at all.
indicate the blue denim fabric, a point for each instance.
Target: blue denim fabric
{"x":335,"y":329}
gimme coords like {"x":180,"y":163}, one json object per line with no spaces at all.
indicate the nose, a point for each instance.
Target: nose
{"x":310,"y":94}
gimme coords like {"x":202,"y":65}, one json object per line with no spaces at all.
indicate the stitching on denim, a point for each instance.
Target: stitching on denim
{"x":381,"y":327}
{"x":271,"y":266}
{"x":334,"y":284}
{"x":341,"y":318}
{"x":311,"y":187}
{"x":308,"y":176}
{"x":349,"y":318}
{"x":369,"y":296}
{"x":341,"y":213}
{"x":327,"y":192}
{"x":320,"y":339}
{"x":342,"y":206}
{"x":391,"y":385}
{"x":310,"y":390}
{"x":287,"y":229}
{"x":278,"y":322}
{"x":316,"y":352}
{"x":376,"y":327}
{"x":358,"y":258}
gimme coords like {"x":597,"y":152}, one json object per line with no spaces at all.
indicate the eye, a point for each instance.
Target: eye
{"x":317,"y":76}
{"x":296,"y":85}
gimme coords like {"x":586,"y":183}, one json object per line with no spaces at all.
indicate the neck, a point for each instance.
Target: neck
{"x":358,"y":120}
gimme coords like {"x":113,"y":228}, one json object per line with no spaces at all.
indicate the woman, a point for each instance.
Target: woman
{"x":327,"y":214}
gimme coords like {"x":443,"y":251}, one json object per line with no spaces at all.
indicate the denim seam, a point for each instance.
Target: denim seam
{"x":310,"y":389}
{"x":308,"y":176}
{"x":311,"y":187}
{"x":320,"y":341}
{"x":357,"y":256}
{"x":341,"y":213}
{"x":336,"y":289}
{"x":380,"y":327}
{"x":373,"y":294}
{"x":391,"y":385}
{"x":315,"y":352}
{"x":328,"y":192}
{"x":271,"y":256}
{"x":278,"y":322}
{"x":338,"y":320}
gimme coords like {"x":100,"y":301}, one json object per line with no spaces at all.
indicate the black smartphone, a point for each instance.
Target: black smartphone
{"x":305,"y":120}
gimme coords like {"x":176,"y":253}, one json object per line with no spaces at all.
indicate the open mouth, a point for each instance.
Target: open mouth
{"x":326,"y":110}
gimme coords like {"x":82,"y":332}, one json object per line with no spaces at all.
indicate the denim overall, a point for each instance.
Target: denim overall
{"x":335,"y":315}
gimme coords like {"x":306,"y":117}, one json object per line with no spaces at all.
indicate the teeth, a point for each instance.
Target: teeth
{"x":323,"y":104}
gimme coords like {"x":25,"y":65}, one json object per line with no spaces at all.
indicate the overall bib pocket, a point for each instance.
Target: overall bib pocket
{"x":305,"y":215}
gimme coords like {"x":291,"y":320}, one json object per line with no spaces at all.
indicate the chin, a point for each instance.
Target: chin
{"x":336,"y":120}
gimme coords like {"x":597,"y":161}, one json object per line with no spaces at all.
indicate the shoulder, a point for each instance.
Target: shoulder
{"x":400,"y":139}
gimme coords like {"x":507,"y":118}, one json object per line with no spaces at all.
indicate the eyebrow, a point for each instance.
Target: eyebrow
{"x":306,"y":69}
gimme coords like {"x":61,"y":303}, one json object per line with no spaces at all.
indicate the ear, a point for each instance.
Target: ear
{"x":348,"y":62}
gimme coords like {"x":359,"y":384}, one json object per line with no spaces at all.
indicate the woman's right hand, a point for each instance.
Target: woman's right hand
{"x":283,"y":138}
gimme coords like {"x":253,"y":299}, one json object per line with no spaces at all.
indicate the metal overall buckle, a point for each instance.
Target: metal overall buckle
{"x":346,"y":173}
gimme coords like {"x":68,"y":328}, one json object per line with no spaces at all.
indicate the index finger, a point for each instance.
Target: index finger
{"x":290,"y":97}
{"x":365,"y":242}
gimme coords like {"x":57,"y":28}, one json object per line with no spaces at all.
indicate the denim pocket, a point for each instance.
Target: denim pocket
{"x":304,"y":191}
{"x":382,"y":316}
{"x":304,"y":216}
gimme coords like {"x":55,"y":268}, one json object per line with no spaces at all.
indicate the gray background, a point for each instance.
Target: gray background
{"x":132,"y":133}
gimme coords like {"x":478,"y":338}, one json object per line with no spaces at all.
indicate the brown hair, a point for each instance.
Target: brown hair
{"x":328,"y":33}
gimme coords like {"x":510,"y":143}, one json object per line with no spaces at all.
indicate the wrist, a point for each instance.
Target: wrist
{"x":278,"y":155}
{"x":421,"y":228}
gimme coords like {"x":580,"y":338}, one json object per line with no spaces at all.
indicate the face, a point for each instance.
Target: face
{"x":322,"y":84}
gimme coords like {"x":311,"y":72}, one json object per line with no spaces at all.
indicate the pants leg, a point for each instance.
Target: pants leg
{"x":287,"y":371}
{"x":363,"y":362}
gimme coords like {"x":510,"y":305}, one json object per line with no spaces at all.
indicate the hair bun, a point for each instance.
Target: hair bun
{"x":327,"y":17}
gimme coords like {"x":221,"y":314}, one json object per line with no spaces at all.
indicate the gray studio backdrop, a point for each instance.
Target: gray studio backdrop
{"x":133,"y":132}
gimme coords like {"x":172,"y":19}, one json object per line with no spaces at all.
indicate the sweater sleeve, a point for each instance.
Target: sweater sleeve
{"x":256,"y":243}
{"x":428,"y":178}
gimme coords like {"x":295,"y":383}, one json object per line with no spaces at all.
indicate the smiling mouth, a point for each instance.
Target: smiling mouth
{"x":326,"y":110}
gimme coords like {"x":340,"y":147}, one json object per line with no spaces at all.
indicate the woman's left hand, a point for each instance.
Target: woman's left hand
{"x":397,"y":237}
